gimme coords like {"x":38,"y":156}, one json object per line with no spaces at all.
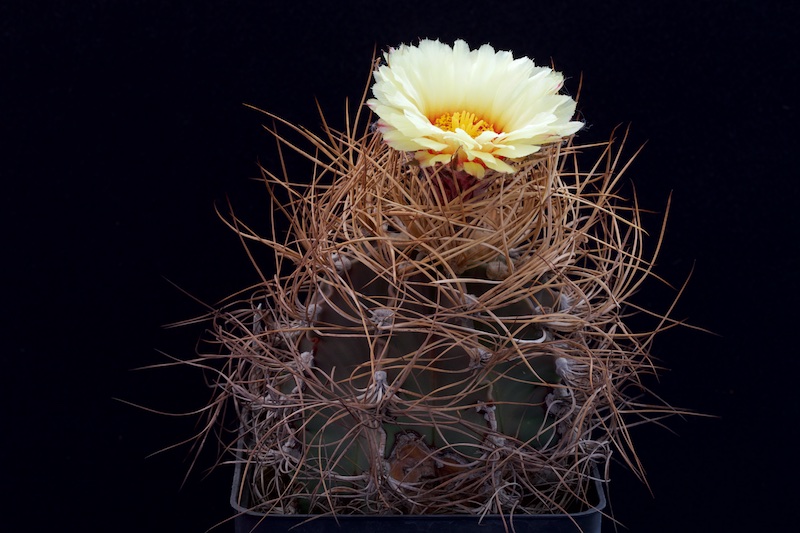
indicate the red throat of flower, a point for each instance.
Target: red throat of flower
{"x":449,"y":184}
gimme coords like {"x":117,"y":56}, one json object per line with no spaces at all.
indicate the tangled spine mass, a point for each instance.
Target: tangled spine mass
{"x":426,"y":349}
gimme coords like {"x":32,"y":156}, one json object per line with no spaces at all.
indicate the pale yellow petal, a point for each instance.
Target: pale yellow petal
{"x":515,"y":105}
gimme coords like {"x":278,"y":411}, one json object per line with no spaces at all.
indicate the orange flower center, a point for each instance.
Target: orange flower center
{"x":465,"y":120}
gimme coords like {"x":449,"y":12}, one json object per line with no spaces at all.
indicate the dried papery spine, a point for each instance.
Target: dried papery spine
{"x":433,"y":352}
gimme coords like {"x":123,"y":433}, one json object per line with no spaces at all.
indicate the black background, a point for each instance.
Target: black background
{"x":123,"y":125}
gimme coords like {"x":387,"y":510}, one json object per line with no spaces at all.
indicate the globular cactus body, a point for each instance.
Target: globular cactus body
{"x":438,"y":349}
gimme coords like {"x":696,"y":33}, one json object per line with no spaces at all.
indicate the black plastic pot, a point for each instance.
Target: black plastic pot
{"x":588,"y":521}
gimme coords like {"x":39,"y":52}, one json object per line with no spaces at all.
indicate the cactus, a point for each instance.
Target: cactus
{"x":434,"y":341}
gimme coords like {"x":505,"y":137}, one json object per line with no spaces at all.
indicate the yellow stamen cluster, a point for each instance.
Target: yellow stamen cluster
{"x":464,"y":120}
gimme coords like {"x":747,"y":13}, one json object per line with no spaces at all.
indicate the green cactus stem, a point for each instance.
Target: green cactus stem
{"x":421,"y":352}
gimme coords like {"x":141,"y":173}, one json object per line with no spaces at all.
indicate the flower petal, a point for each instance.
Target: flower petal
{"x":514,"y":98}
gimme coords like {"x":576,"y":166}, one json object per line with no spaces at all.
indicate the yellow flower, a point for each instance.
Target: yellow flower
{"x":476,"y":108}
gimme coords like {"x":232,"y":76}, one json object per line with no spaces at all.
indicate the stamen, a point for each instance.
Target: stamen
{"x":465,"y":120}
